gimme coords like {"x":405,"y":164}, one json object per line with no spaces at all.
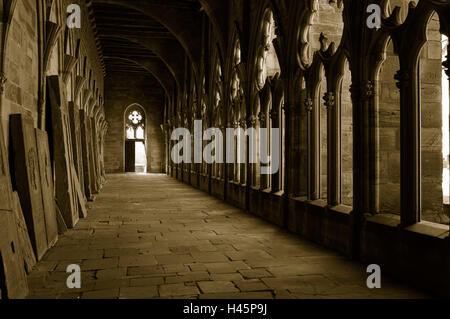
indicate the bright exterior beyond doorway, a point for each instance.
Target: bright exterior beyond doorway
{"x":150,"y":236}
{"x":141,"y":158}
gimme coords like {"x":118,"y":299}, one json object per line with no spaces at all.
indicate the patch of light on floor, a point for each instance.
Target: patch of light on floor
{"x":445,"y":126}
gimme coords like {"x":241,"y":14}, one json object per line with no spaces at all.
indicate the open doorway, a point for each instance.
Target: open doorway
{"x":135,"y":141}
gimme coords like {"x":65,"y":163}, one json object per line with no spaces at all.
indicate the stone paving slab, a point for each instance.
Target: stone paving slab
{"x":149,"y":236}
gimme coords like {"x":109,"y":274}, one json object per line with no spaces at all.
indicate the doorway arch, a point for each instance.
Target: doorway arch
{"x":135,"y":136}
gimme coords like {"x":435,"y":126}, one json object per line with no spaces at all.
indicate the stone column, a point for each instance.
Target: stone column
{"x":87,"y":174}
{"x":313,"y":149}
{"x":295,"y":163}
{"x":334,"y":148}
{"x":264,"y":179}
{"x":94,"y":154}
{"x":252,"y":123}
{"x":275,"y":117}
{"x":235,"y":165}
{"x":364,"y":157}
{"x":410,"y":146}
{"x":243,"y":166}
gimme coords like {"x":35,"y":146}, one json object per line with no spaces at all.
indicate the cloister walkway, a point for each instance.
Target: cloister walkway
{"x":150,"y":236}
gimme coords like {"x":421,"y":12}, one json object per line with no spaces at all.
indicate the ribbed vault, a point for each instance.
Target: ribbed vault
{"x":154,"y":36}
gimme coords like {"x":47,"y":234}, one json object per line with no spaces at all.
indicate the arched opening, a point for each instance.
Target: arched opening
{"x":267,"y":61}
{"x":388,"y":134}
{"x":327,"y":109}
{"x":272,"y":117}
{"x":323,"y":134}
{"x":217,"y":110}
{"x":346,"y":138}
{"x":235,"y":112}
{"x":434,"y":107}
{"x":135,"y":140}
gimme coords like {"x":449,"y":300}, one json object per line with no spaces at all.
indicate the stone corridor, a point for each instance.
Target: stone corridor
{"x":150,"y":236}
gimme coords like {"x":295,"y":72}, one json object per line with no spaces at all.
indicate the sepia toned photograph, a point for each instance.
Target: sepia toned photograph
{"x":227,"y":155}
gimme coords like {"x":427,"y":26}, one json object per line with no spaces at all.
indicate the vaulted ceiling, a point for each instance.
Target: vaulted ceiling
{"x":153,"y":36}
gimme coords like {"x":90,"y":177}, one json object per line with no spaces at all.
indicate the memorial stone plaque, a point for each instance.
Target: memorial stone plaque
{"x":62,"y":152}
{"x":85,"y":143}
{"x":27,"y":180}
{"x":13,"y":283}
{"x":47,"y":187}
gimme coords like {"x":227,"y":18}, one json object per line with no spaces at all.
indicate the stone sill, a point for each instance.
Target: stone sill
{"x":268,"y":191}
{"x":301,"y":199}
{"x":424,"y":228}
{"x":318,"y":202}
{"x":343,"y":209}
{"x":279,"y":193}
{"x":236,"y":184}
{"x":429,"y":229}
{"x":339,"y":209}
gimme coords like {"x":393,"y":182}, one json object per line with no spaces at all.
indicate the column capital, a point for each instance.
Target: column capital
{"x":330,"y":100}
{"x":273,"y":114}
{"x":364,"y":90}
{"x":262,"y":118}
{"x":367,"y":90}
{"x":308,"y":103}
{"x":243,"y":123}
{"x":403,"y":77}
{"x":251,"y":121}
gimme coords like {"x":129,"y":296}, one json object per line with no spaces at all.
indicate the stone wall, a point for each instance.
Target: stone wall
{"x":347,"y":138}
{"x":121,"y":93}
{"x":21,"y":65}
{"x":22,"y":59}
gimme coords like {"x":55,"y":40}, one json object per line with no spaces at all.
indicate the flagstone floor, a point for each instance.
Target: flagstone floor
{"x":150,"y":236}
